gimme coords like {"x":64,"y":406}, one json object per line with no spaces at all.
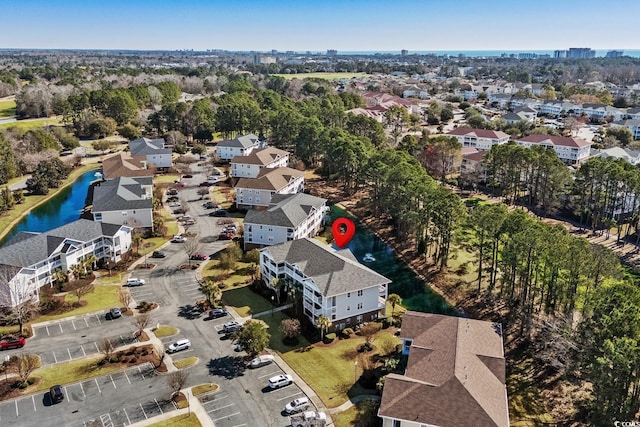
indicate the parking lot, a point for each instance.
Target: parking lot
{"x":71,"y":351}
{"x":110,"y":400}
{"x":71,"y":325}
{"x":224,"y":411}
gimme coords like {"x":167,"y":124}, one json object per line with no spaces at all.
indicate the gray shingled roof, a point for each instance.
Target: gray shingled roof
{"x":121,"y":194}
{"x":244,"y":141}
{"x":144,"y":146}
{"x":286,"y":210}
{"x":28,"y":248}
{"x":333,"y":273}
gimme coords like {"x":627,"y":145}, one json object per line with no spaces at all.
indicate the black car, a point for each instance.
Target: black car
{"x":158,"y":254}
{"x":219,"y":213}
{"x":209,"y":205}
{"x":218,"y":312}
{"x":56,"y":394}
{"x":206,"y":184}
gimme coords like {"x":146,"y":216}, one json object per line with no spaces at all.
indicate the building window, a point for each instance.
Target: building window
{"x":396,"y":423}
{"x":360,"y":293}
{"x":348,"y":294}
{"x":359,"y":306}
{"x":348,"y":308}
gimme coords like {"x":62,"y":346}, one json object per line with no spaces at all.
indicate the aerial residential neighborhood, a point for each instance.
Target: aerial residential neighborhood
{"x":232,"y":215}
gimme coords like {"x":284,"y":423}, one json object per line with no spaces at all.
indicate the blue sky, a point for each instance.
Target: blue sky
{"x":345,"y":25}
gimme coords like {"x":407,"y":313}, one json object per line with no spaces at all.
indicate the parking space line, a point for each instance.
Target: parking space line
{"x":54,"y":356}
{"x":66,"y":393}
{"x":97,"y":385}
{"x":69,"y":351}
{"x":290,"y":396}
{"x":143,"y":412}
{"x":61,"y":330}
{"x":85,"y":321}
{"x":127,"y":377}
{"x":96,"y":344}
{"x":227,"y":416}
{"x":240,"y":425}
{"x":98,"y":319}
{"x":215,"y":400}
{"x":82,"y":388}
{"x":127,"y":415}
{"x":140,"y":372}
{"x":17,"y":412}
{"x":73,"y":324}
{"x":47,"y":328}
{"x":222,"y":407}
{"x":161,"y":411}
{"x":271,"y":374}
{"x":34,"y":403}
{"x":83,"y":352}
{"x":113,"y":382}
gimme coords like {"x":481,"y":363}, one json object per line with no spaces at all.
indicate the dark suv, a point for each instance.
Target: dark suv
{"x":9,"y":343}
{"x":56,"y":393}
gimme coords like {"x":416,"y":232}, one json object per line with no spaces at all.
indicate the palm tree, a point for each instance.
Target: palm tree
{"x":136,"y":239}
{"x":89,"y":262}
{"x":324,"y":323}
{"x":77,"y":270}
{"x":275,"y":285}
{"x":394,"y":299}
{"x":211,"y":291}
{"x":60,"y":277}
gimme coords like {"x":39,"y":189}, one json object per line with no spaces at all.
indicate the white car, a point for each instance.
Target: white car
{"x":298,"y":405}
{"x":174,"y":205}
{"x":179,"y":346}
{"x":280,"y":381}
{"x":178,"y":239}
{"x":134,"y":282}
{"x":263,"y":360}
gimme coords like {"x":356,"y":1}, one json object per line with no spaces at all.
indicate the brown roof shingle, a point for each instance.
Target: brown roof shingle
{"x":555,"y":140}
{"x":261,"y":157}
{"x":270,"y":179}
{"x":480,"y":133}
{"x":124,"y":165}
{"x":455,"y":374}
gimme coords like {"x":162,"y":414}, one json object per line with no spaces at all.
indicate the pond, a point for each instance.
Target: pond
{"x":416,"y":294}
{"x":61,"y":209}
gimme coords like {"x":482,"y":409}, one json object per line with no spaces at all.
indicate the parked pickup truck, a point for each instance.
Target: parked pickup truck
{"x":309,"y":419}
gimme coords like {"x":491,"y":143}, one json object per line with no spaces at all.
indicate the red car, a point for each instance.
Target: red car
{"x":225,"y":236}
{"x":10,"y":343}
{"x":198,"y":257}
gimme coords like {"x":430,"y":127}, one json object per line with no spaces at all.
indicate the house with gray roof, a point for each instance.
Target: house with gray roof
{"x":289,"y":217}
{"x":632,"y":124}
{"x":249,"y":166}
{"x":153,"y":150}
{"x":258,"y":191}
{"x":332,"y":282}
{"x":124,"y":200}
{"x":28,"y":260}
{"x":240,"y":146}
{"x":455,"y":374}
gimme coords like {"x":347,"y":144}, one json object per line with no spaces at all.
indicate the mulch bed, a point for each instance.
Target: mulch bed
{"x":144,"y":266}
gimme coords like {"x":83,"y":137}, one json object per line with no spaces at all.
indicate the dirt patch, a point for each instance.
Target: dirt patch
{"x":144,"y":266}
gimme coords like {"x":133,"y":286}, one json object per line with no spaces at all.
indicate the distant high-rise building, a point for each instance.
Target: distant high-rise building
{"x":274,"y":51}
{"x":615,"y":53}
{"x":404,"y":52}
{"x":559,"y":53}
{"x":581,"y":52}
{"x":263,"y":59}
{"x":527,"y":55}
{"x":332,"y":52}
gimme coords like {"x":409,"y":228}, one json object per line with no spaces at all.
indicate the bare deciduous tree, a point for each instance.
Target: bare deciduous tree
{"x":176,"y":381}
{"x":16,"y":293}
{"x":191,"y":247}
{"x":82,"y":291}
{"x":106,"y":347}
{"x":141,"y":321}
{"x":125,"y":298}
{"x":25,"y":364}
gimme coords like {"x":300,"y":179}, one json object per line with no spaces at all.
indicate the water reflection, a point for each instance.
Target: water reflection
{"x":63,"y":208}
{"x":416,"y":295}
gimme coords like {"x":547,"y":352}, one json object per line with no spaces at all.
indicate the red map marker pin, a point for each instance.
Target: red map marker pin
{"x":343,"y":230}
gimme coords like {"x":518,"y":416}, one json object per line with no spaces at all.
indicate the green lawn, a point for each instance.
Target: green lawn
{"x":165,"y":331}
{"x":239,"y":277}
{"x":103,"y":297}
{"x":7,"y":108}
{"x":115,"y":278}
{"x":70,"y":372}
{"x":330,"y":370}
{"x":166,"y":178}
{"x":185,"y":363}
{"x":204,"y":388}
{"x":276,"y":343}
{"x":33,"y":123}
{"x":184,"y":420}
{"x":14,"y":215}
{"x":355,"y":415}
{"x":326,"y":76}
{"x":245,"y":301}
